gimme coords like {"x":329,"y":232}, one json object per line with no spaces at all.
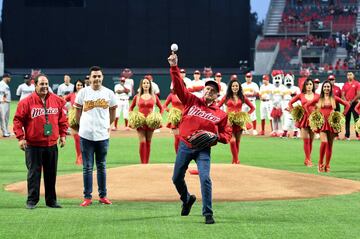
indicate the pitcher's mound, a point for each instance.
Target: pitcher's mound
{"x":153,"y":182}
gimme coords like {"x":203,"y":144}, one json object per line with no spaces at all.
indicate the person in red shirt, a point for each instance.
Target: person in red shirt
{"x":234,"y":99}
{"x":326,"y":103}
{"x":199,"y":114}
{"x":307,"y":95}
{"x":79,"y":84}
{"x":176,"y":103}
{"x":350,"y":93}
{"x":145,"y":101}
{"x":336,"y":90}
{"x":39,"y":122}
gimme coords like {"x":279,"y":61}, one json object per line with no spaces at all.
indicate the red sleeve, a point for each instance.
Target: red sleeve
{"x":293,"y":100}
{"x":252,"y":108}
{"x":344,"y":103}
{"x":222,"y":101}
{"x":197,"y":88}
{"x":224,"y":131}
{"x":158,"y":103}
{"x":168,"y":100}
{"x":63,"y":122}
{"x":68,"y":97}
{"x":19,"y":119}
{"x":133,"y":103}
{"x":357,"y":108}
{"x":184,"y":95}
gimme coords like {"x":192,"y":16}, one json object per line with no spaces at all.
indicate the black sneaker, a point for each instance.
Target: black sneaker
{"x":30,"y":206}
{"x":186,"y":208}
{"x":55,"y":205}
{"x":209,"y":219}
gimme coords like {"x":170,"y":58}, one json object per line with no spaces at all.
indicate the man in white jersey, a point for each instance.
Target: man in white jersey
{"x":223,"y":88}
{"x":5,"y":99}
{"x":186,"y":80}
{"x":196,"y":85}
{"x":66,"y":87}
{"x":265,"y":95}
{"x":289,"y":92}
{"x":251,"y":91}
{"x":154,"y":86}
{"x":95,"y":112}
{"x":122,"y":93}
{"x":25,"y":88}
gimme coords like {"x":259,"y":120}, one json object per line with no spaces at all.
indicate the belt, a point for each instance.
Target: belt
{"x":265,"y":100}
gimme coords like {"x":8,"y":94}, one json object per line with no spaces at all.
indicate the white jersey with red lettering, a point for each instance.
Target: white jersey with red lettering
{"x":265,"y":95}
{"x":250,"y":90}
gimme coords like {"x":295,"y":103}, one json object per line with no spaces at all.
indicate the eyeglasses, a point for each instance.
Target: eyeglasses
{"x":96,"y":76}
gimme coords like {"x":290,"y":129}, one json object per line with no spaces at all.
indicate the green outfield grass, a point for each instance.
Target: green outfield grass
{"x":326,"y":217}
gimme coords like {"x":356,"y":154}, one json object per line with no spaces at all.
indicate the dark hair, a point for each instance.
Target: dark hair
{"x":229,"y":92}
{"x":95,"y":68}
{"x":38,"y":76}
{"x":303,"y":90}
{"x":82,"y":82}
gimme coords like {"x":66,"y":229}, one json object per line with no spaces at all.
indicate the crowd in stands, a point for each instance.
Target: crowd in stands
{"x":319,"y":14}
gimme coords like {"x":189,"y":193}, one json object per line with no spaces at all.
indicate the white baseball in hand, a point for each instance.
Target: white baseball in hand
{"x":174,"y":47}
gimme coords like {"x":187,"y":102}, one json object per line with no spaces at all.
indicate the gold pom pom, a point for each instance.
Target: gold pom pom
{"x":154,"y":120}
{"x":297,"y":113}
{"x":357,"y":126}
{"x":316,"y":120}
{"x":136,"y":119}
{"x":72,"y":118}
{"x":174,"y":116}
{"x":239,"y":119}
{"x":336,"y":121}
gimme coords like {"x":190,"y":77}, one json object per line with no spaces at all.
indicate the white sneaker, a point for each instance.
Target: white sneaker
{"x":317,"y":136}
{"x":157,"y":131}
{"x":245,"y":132}
{"x":255,"y":132}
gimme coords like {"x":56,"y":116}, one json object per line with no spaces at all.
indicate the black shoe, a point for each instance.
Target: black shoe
{"x":186,"y":208}
{"x":55,"y":205}
{"x":30,"y":206}
{"x":209,"y":219}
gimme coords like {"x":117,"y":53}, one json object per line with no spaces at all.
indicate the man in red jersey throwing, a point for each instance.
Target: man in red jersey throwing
{"x":201,"y":117}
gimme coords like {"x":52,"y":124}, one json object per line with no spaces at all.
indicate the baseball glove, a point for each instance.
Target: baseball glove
{"x":201,"y":139}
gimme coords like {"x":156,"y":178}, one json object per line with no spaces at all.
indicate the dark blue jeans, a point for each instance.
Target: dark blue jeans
{"x":202,"y":159}
{"x":88,"y":150}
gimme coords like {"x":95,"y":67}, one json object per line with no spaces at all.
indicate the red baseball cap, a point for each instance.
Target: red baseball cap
{"x":218,"y":74}
{"x":195,"y":72}
{"x":248,"y":74}
{"x":182,"y":71}
{"x":331,"y":77}
{"x":316,"y":80}
{"x":265,"y":77}
{"x":233,"y":77}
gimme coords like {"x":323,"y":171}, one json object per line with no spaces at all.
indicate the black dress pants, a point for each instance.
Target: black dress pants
{"x":41,"y":159}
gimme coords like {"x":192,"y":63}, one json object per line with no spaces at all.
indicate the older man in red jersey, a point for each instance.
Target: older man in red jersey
{"x":39,"y":121}
{"x":199,"y":114}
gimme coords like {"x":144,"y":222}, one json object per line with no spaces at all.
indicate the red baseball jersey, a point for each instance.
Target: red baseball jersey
{"x":30,"y":115}
{"x":197,"y":114}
